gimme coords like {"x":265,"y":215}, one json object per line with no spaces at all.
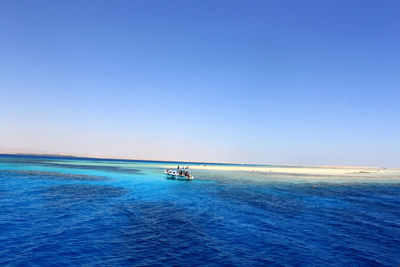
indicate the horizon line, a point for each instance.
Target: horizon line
{"x":176,"y":161}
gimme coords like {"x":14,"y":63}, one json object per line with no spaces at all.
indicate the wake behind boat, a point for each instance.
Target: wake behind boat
{"x":180,"y":173}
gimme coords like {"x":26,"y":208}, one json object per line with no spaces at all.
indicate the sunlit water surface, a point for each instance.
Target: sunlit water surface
{"x":68,"y":211}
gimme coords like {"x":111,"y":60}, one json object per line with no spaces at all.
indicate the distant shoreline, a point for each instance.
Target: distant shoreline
{"x":246,"y":165}
{"x":325,"y":173}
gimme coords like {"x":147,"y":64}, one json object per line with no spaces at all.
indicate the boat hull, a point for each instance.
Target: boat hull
{"x":179,"y":177}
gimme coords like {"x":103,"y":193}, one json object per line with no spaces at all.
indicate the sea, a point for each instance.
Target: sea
{"x":66,"y":211}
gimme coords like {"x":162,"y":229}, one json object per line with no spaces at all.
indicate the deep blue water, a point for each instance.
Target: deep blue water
{"x":66,"y":211}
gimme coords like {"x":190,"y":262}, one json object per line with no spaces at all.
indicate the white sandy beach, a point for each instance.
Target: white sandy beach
{"x":309,"y":172}
{"x":294,"y":169}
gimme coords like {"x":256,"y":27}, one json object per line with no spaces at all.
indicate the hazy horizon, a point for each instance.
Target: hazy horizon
{"x":32,"y":152}
{"x":274,"y":82}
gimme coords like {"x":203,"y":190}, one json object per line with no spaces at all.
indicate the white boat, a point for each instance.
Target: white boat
{"x":180,"y":173}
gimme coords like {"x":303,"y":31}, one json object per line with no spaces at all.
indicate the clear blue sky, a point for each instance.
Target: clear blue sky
{"x":280,"y":82}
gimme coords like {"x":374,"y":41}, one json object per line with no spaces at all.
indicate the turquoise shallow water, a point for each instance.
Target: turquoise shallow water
{"x":73,"y":211}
